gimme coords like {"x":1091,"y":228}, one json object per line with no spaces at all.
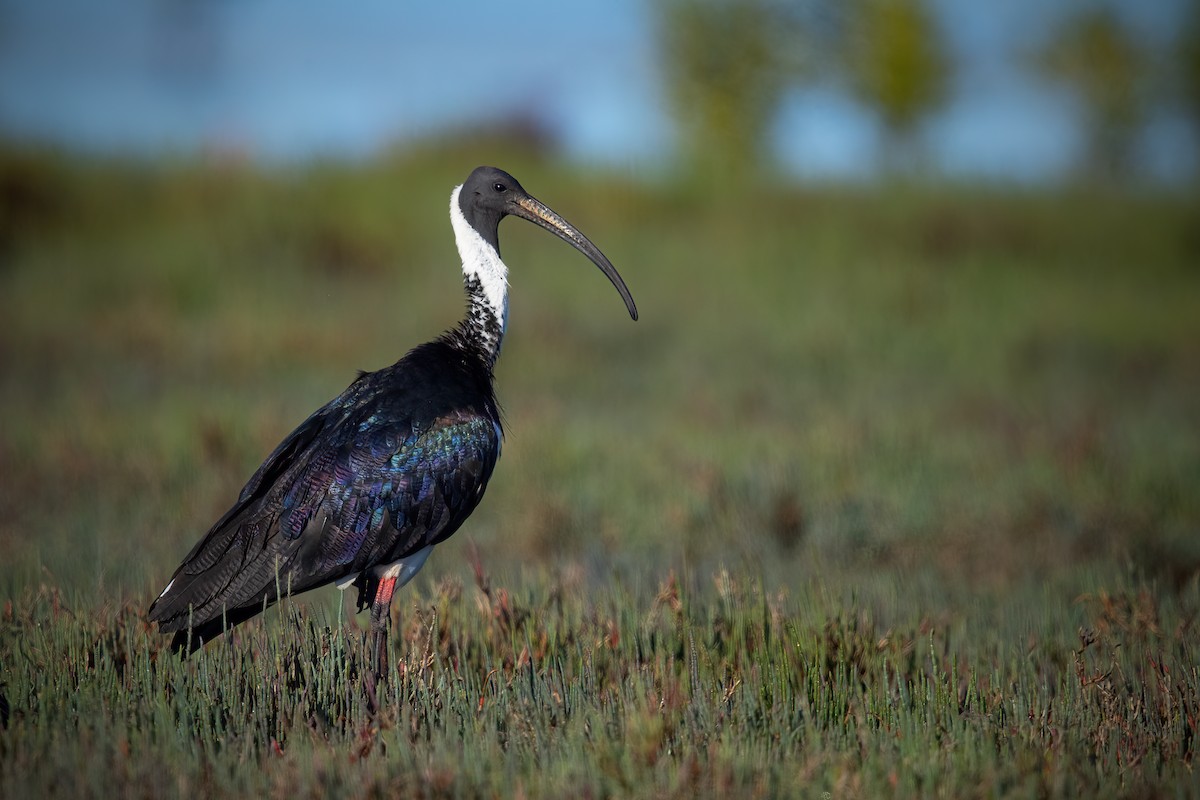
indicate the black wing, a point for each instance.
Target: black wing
{"x":346,"y":491}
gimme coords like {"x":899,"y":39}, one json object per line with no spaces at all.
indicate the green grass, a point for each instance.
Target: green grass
{"x":889,"y":492}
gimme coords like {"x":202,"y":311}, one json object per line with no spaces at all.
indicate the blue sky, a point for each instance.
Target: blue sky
{"x":285,"y":80}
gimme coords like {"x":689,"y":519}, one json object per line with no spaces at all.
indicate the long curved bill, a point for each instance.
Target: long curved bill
{"x":542,"y":215}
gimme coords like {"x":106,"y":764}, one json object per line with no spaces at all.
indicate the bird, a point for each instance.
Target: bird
{"x":361,"y":492}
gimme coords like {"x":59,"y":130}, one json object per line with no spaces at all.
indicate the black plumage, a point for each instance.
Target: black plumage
{"x":391,"y":466}
{"x":396,"y":462}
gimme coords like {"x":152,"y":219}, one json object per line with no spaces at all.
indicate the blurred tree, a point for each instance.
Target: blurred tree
{"x":726,"y":64}
{"x":897,"y":62}
{"x":1189,"y":63}
{"x":1097,"y":56}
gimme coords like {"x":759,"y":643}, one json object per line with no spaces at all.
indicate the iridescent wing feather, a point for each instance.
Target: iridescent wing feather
{"x":339,"y":495}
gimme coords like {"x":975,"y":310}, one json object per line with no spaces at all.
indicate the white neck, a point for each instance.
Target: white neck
{"x":482,"y":267}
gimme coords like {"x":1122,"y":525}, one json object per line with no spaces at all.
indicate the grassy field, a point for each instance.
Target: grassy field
{"x":890,"y":492}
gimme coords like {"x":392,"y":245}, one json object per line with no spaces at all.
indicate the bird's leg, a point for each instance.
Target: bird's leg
{"x":380,"y":621}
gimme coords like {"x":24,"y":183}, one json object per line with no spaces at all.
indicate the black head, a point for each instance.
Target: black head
{"x":490,"y":194}
{"x":486,"y":198}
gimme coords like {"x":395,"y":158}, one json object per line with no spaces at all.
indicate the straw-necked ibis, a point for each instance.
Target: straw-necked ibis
{"x":364,"y":489}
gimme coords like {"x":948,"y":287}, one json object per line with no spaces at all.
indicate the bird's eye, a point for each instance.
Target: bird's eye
{"x":499,"y":187}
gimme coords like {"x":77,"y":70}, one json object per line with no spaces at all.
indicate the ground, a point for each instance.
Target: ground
{"x":891,"y":490}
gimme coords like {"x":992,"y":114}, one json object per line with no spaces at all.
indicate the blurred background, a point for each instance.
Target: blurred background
{"x":919,"y":279}
{"x":1023,"y":91}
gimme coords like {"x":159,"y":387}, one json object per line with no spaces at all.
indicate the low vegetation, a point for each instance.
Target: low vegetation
{"x":891,"y":491}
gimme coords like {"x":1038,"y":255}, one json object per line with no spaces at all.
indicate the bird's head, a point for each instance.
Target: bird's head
{"x":490,"y":194}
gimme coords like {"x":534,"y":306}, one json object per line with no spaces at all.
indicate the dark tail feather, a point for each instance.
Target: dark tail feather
{"x":189,"y":640}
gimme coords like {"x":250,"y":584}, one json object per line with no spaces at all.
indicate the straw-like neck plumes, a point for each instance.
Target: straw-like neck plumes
{"x":485,"y":278}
